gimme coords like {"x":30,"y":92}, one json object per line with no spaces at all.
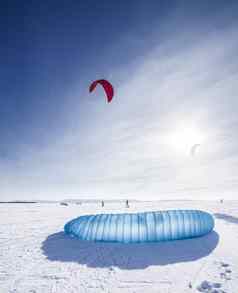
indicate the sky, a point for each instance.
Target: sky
{"x":174,"y":68}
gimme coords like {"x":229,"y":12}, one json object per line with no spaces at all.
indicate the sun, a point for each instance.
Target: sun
{"x":183,"y":138}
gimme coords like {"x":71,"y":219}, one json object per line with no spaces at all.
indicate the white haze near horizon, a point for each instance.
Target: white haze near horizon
{"x":122,"y":149}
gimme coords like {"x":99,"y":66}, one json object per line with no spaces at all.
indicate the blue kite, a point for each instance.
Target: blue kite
{"x":141,"y":227}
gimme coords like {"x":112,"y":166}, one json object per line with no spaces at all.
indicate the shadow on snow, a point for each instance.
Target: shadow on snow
{"x":227,"y":218}
{"x":60,"y":247}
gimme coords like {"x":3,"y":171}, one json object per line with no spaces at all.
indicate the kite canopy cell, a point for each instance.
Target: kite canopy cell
{"x":141,"y":227}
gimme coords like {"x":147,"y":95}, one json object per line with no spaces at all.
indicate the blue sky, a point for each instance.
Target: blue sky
{"x":174,"y":68}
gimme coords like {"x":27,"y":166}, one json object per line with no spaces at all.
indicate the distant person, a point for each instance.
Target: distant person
{"x":102,"y":203}
{"x":221,"y":201}
{"x":127,"y":203}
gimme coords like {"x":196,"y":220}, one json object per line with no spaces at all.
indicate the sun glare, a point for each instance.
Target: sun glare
{"x":182,"y":139}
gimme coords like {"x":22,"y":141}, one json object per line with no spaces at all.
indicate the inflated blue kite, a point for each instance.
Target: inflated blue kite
{"x":141,"y":227}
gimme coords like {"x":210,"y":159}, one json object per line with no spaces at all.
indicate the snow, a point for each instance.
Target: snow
{"x":36,"y":256}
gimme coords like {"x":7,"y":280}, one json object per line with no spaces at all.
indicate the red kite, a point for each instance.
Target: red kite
{"x":108,"y":88}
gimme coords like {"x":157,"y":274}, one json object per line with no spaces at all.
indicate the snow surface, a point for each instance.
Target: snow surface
{"x":36,"y":256}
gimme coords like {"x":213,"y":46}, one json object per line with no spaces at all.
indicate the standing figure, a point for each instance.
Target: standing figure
{"x":127,"y":203}
{"x":102,"y":203}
